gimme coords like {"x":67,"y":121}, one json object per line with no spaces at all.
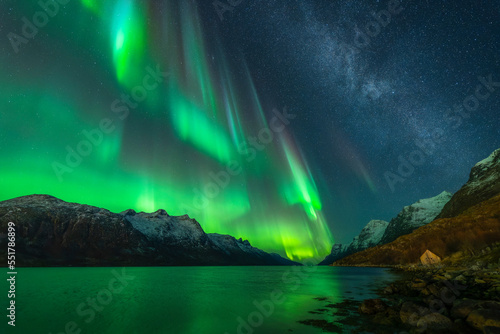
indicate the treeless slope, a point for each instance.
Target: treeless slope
{"x":473,"y":229}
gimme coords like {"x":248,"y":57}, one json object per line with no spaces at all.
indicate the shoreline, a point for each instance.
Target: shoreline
{"x":442,"y":300}
{"x":425,"y":299}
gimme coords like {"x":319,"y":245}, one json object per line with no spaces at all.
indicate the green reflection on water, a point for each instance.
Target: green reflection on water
{"x":181,"y":299}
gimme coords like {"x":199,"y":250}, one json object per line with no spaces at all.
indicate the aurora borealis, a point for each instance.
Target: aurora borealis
{"x":265,"y":125}
{"x":182,"y":133}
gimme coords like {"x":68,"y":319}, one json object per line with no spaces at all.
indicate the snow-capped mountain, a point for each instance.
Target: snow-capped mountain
{"x":338,"y":252}
{"x":483,"y":184}
{"x":52,"y":232}
{"x":370,"y":236}
{"x":468,"y":223}
{"x":379,"y":232}
{"x":413,"y":216}
{"x":239,"y":248}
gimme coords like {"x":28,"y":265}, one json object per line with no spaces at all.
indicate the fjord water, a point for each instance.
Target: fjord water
{"x":183,"y":299}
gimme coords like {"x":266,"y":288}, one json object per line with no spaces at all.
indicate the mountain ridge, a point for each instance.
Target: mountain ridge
{"x":378,"y":232}
{"x":469,"y":222}
{"x":414,"y":216}
{"x":473,"y":230}
{"x":52,"y":232}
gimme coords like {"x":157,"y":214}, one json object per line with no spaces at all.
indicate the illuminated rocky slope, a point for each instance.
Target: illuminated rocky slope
{"x":452,"y":239}
{"x":468,"y":223}
{"x":415,"y":215}
{"x":378,"y":232}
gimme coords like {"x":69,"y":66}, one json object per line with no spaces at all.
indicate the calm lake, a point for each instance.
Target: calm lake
{"x":185,"y":299}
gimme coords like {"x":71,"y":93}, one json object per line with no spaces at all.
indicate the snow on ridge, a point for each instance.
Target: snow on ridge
{"x":230,"y":244}
{"x":377,"y":229}
{"x":370,"y":235}
{"x":487,"y":162}
{"x":416,"y":215}
{"x":433,"y":203}
{"x":485,"y":172}
{"x":158,"y":225}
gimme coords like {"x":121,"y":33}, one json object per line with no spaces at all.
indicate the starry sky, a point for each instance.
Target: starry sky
{"x":287,"y":123}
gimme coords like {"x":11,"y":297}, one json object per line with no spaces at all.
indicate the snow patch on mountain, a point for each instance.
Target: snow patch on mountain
{"x":379,"y":232}
{"x":484,"y":172}
{"x":370,"y":236}
{"x":489,"y":161}
{"x":159,"y":225}
{"x":230,"y":244}
{"x":414,"y":216}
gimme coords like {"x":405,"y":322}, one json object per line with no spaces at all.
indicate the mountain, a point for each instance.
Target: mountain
{"x":413,"y":216}
{"x":469,"y":233}
{"x":52,"y":232}
{"x":368,"y":237}
{"x":483,"y":183}
{"x":338,"y":252}
{"x":379,"y":232}
{"x":240,"y":249}
{"x":469,"y":223}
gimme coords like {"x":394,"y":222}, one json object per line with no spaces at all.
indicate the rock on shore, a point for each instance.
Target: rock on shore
{"x":440,"y":301}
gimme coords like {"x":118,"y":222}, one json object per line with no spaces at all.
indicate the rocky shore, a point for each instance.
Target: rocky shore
{"x":424,"y":300}
{"x":439,"y":300}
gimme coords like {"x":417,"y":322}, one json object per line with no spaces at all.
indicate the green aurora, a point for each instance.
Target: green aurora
{"x":125,"y":107}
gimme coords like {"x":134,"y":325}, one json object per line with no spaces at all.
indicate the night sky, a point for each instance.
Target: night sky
{"x":288,"y":123}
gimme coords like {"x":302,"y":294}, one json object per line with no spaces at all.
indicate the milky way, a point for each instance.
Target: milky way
{"x":366,"y":96}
